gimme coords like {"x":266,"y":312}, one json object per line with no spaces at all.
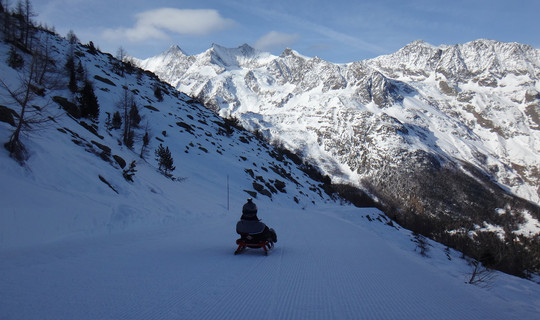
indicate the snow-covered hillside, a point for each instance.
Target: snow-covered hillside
{"x":80,"y":241}
{"x":63,"y":187}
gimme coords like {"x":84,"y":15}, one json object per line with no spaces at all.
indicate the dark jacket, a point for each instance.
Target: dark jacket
{"x":250,"y":227}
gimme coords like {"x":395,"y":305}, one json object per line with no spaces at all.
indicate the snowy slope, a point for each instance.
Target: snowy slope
{"x":71,"y":247}
{"x":66,"y":160}
{"x":328,"y":263}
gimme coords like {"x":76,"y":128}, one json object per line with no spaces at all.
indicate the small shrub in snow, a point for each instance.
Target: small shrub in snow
{"x":129,"y":172}
{"x":480,"y":275}
{"x":421,"y":244}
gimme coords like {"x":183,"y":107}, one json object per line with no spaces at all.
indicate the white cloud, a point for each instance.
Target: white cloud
{"x":291,"y":18}
{"x":276,"y":40}
{"x":155,"y":24}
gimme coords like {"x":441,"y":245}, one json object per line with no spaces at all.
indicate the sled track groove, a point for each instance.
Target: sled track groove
{"x":275,"y":293}
{"x":238,"y":301}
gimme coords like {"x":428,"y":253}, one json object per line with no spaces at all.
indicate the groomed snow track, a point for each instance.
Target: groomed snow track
{"x":323,"y":267}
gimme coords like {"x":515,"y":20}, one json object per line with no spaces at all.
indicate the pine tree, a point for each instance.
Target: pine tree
{"x":72,"y":38}
{"x":129,"y":139}
{"x":88,"y":101}
{"x":8,"y":24}
{"x":158,"y":94}
{"x":70,"y":68}
{"x":117,"y":120}
{"x":145,"y":142}
{"x":164,"y":159}
{"x":80,"y":72}
{"x":134,"y":116}
{"x":119,"y":65}
{"x":125,"y":105}
{"x":91,"y":48}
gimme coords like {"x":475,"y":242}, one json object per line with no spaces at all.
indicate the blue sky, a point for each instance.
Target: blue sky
{"x":338,"y":31}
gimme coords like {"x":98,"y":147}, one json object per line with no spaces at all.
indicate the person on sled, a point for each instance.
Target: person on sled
{"x":250,"y":225}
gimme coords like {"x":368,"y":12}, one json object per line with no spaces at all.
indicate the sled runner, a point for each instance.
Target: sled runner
{"x":249,"y":241}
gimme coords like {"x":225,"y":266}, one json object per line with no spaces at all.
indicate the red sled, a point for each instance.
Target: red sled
{"x":248,"y":241}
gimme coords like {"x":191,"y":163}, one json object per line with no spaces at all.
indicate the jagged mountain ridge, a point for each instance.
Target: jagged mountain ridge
{"x":462,"y":62}
{"x":471,"y":107}
{"x":492,"y":88}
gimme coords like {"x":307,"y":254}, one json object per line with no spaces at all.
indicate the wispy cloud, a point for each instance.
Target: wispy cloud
{"x":331,"y":34}
{"x":345,"y":38}
{"x":156,"y":24}
{"x":276,"y":40}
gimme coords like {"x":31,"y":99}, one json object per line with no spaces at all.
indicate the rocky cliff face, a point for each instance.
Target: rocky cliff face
{"x":428,"y":130}
{"x":491,"y":90}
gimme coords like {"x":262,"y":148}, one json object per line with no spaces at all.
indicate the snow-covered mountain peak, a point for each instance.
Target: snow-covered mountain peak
{"x":416,"y":45}
{"x":242,"y":56}
{"x":174,"y":51}
{"x":288,"y":52}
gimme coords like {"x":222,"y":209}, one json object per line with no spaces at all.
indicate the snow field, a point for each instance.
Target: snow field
{"x":322,"y":267}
